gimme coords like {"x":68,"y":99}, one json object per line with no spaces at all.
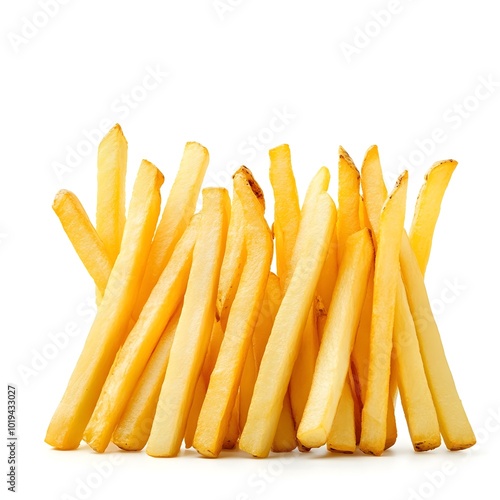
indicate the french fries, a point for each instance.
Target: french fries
{"x":284,"y":342}
{"x":374,"y":415}
{"x":83,"y":237}
{"x":193,"y":331}
{"x":110,"y":325}
{"x":332,"y":365}
{"x":427,"y":209}
{"x":140,"y":343}
{"x":111,"y":172}
{"x":222,"y":389}
{"x":197,"y":340}
{"x":181,"y":204}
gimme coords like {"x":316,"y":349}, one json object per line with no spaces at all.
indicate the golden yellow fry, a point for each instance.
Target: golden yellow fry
{"x":180,"y":207}
{"x":332,"y":365}
{"x":374,"y":415}
{"x":235,"y":254}
{"x":111,"y":172}
{"x":284,"y":342}
{"x":427,"y":209}
{"x":286,"y":208}
{"x":140,"y":343}
{"x":232,"y":264}
{"x":453,"y":422}
{"x":195,"y":326}
{"x":303,"y":369}
{"x":284,"y":439}
{"x":110,"y":325}
{"x":225,"y":378}
{"x":342,"y":435}
{"x":415,"y":394}
{"x":133,"y":429}
{"x":348,"y":212}
{"x":83,"y":237}
{"x":194,"y":412}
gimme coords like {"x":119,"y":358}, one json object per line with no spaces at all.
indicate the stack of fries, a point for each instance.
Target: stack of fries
{"x":196,"y":339}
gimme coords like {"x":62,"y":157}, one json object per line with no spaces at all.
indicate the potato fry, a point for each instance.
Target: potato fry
{"x":427,"y":209}
{"x":374,"y":415}
{"x":374,"y":196}
{"x":284,"y":438}
{"x":111,"y":172}
{"x":225,"y":378}
{"x":348,"y":212}
{"x":303,"y":369}
{"x":83,"y":237}
{"x":195,"y":326}
{"x":286,"y":208}
{"x":284,"y":342}
{"x":342,"y":435}
{"x":180,"y":207}
{"x":235,"y":254}
{"x":332,"y":365}
{"x":107,"y":333}
{"x":133,"y":429}
{"x":140,"y":343}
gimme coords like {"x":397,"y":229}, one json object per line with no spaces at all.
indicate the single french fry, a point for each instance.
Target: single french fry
{"x":284,"y":342}
{"x":427,"y":209}
{"x":303,"y":369}
{"x":392,"y":430}
{"x":232,"y":264}
{"x":180,"y":207}
{"x":140,"y":343}
{"x":342,"y":435}
{"x":111,"y":173}
{"x":348,"y":212}
{"x":374,"y":415}
{"x":195,"y":326}
{"x":284,"y":439}
{"x":133,"y":429}
{"x":107,"y":333}
{"x":225,"y":378}
{"x":83,"y":237}
{"x":374,"y":196}
{"x":415,"y":394}
{"x":286,"y":208}
{"x":235,"y":254}
{"x":332,"y":365}
{"x":200,"y":392}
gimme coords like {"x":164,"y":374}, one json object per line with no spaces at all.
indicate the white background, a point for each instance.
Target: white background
{"x":229,"y":72}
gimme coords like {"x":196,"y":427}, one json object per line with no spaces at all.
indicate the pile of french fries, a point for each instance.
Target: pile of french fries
{"x":197,"y":340}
